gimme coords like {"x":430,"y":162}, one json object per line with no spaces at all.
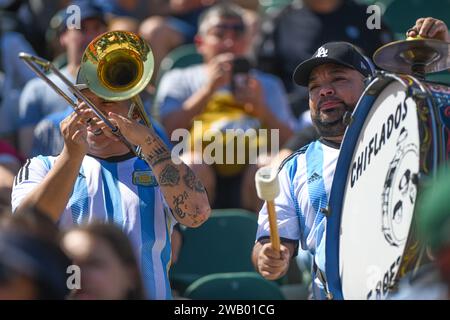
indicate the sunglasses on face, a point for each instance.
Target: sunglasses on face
{"x":237,"y":28}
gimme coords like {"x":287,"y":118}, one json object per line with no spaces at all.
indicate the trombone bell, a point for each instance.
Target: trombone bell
{"x":117,"y":65}
{"x":120,"y":70}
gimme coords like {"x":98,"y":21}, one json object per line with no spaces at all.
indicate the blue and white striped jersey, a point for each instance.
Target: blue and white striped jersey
{"x":121,"y":190}
{"x":305,"y":183}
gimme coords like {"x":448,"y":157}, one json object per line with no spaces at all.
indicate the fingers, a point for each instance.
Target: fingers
{"x":106,"y":131}
{"x":120,"y":120}
{"x":425,"y":27}
{"x":73,"y":119}
{"x":222,"y":72}
{"x":223,"y":62}
{"x":429,"y":28}
{"x":84,"y":112}
{"x":79,"y":135}
{"x":285,"y":254}
{"x":411,"y":33}
{"x":273,"y":264}
{"x":438,"y":27}
{"x":271,"y":272}
{"x":127,"y":127}
{"x":74,"y":132}
{"x":269,"y":275}
{"x":224,"y":58}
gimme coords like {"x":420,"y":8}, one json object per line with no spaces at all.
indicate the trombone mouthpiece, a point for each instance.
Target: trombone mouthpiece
{"x":267,"y":185}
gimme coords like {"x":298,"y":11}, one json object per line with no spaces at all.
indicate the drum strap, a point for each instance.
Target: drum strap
{"x":322,"y":278}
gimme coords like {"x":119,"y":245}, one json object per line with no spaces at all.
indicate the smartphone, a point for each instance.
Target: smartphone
{"x":239,"y":73}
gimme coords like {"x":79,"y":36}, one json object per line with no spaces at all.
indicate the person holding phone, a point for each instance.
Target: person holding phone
{"x":212,"y":93}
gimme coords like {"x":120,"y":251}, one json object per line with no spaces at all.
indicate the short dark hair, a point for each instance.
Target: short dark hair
{"x":221,"y":10}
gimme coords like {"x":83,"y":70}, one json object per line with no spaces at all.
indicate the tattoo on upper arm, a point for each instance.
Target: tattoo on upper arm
{"x":192,"y":182}
{"x":170,"y":176}
{"x":160,"y":152}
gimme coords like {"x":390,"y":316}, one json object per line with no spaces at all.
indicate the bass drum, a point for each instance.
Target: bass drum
{"x":397,"y":137}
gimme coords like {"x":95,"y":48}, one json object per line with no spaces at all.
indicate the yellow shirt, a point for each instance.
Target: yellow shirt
{"x":239,"y":147}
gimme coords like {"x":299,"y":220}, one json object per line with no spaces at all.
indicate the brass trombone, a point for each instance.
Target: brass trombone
{"x":116,"y":66}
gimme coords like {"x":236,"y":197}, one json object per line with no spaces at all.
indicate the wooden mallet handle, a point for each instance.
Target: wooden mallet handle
{"x":274,"y":237}
{"x":267,"y":188}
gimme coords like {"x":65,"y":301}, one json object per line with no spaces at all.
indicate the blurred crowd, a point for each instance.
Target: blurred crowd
{"x":268,"y":43}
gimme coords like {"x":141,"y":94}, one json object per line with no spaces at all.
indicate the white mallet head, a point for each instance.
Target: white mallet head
{"x":267,"y":186}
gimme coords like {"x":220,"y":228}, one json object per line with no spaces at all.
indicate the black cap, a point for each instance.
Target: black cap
{"x":342,"y":53}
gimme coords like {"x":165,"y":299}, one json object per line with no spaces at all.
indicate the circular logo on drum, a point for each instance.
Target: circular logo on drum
{"x":400,"y":190}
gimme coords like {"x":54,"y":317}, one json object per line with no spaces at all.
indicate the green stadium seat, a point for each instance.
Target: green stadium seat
{"x":441,"y":77}
{"x":267,"y":6}
{"x":234,"y":286}
{"x":382,"y":3}
{"x":181,"y":57}
{"x":222,"y":244}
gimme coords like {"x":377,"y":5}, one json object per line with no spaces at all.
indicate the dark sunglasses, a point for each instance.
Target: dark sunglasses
{"x":238,"y":28}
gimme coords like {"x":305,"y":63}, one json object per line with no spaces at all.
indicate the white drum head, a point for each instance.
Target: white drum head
{"x":380,"y":164}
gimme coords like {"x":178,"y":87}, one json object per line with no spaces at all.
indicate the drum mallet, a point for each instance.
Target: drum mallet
{"x":268,"y":188}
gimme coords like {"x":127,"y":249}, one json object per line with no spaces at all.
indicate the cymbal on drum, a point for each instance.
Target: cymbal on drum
{"x":414,"y":56}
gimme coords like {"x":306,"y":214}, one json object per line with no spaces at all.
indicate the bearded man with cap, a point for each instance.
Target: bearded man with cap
{"x":335,"y":78}
{"x":97,"y":178}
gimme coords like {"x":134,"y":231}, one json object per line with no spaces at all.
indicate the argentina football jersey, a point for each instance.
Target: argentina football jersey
{"x":122,"y":190}
{"x":305,"y":182}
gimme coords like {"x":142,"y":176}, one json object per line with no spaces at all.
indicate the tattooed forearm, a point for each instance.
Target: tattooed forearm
{"x":154,"y":159}
{"x":192,"y":182}
{"x":189,"y":179}
{"x":198,"y":186}
{"x":197,"y":218}
{"x":179,"y":203}
{"x":159,"y":152}
{"x":181,"y":209}
{"x":170,"y":176}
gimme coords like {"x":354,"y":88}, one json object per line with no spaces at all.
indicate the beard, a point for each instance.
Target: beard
{"x":334,"y":128}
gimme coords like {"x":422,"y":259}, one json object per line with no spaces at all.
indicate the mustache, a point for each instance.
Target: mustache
{"x":328,"y":99}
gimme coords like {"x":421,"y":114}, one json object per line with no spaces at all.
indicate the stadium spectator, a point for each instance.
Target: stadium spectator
{"x":178,"y":27}
{"x":10,"y":163}
{"x":16,"y":73}
{"x":123,"y":23}
{"x":32,"y":265}
{"x":107,"y":262}
{"x":38,"y":99}
{"x":206,"y":93}
{"x":334,"y":76}
{"x":293,"y":35}
{"x":97,"y":177}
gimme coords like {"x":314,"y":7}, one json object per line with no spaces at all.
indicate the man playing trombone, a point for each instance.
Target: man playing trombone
{"x":97,"y":177}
